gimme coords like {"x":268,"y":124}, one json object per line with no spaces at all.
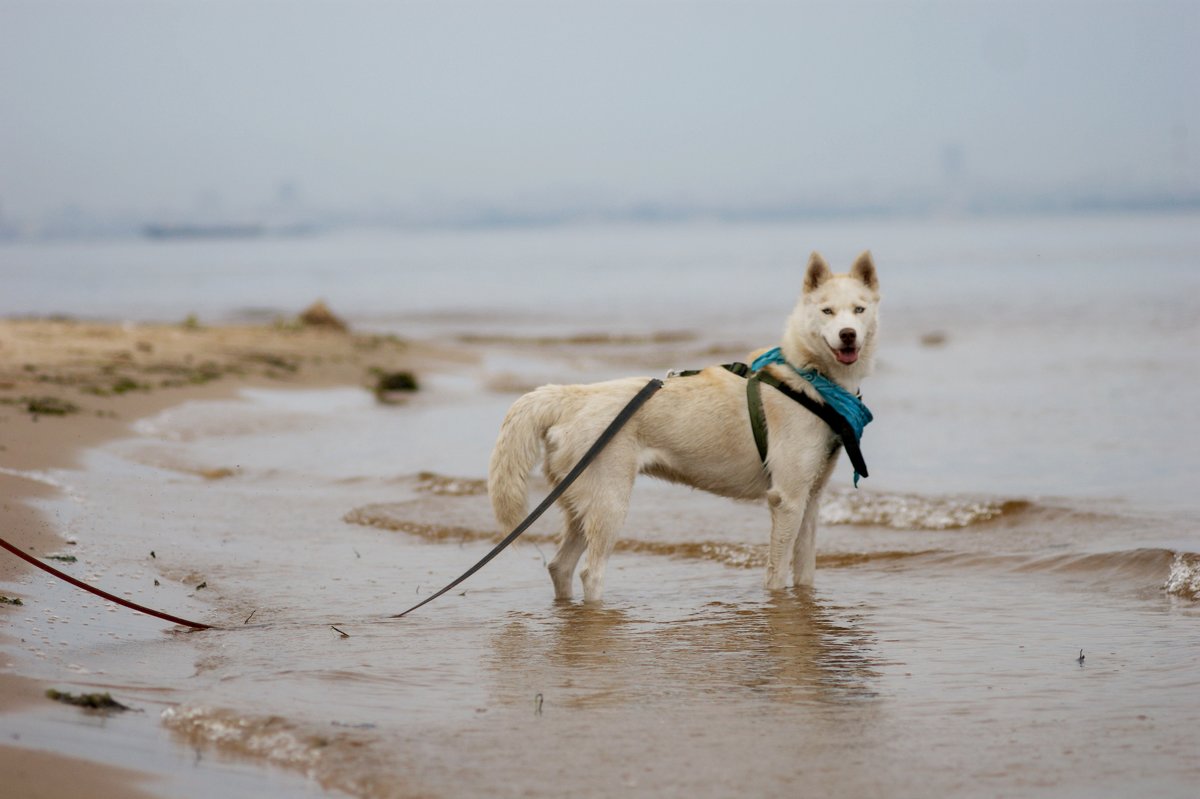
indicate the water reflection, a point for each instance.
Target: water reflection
{"x":790,"y":647}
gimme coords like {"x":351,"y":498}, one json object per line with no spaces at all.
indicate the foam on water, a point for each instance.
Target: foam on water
{"x":339,"y":759}
{"x":270,"y":737}
{"x":1184,"y":579}
{"x":37,"y":476}
{"x":441,"y":485}
{"x":912,"y":512}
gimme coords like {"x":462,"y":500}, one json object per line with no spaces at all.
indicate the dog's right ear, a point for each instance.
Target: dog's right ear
{"x":818,"y":272}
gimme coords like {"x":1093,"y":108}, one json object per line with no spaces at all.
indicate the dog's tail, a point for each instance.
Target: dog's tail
{"x":518,"y":448}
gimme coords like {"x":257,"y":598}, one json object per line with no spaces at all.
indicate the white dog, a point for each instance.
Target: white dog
{"x":697,"y":431}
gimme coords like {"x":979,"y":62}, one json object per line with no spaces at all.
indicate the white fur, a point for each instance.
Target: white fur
{"x":695,"y":431}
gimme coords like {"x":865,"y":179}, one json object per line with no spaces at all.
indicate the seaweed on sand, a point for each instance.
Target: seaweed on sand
{"x":49,"y":406}
{"x":96,"y":701}
{"x":389,"y":383}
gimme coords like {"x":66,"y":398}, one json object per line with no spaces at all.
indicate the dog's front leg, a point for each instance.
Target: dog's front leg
{"x":787,"y":514}
{"x":804,"y":556}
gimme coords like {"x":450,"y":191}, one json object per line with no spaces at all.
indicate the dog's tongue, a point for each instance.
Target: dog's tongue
{"x":847,"y":356}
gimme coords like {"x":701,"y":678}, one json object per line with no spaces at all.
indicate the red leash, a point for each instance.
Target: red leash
{"x":195,"y":625}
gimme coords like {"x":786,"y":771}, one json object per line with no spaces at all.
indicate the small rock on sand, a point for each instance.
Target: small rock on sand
{"x":319,"y":315}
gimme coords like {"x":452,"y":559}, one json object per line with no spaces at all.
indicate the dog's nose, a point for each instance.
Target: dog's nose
{"x":848,"y":335}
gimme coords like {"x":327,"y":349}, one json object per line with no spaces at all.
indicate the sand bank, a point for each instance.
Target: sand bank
{"x":66,"y":385}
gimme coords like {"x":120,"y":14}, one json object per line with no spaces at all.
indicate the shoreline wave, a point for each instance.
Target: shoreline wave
{"x":1175,"y":572}
{"x":898,"y":511}
{"x":736,"y":555}
{"x":341,"y":760}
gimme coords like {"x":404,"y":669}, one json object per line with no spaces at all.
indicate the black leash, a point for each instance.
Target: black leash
{"x":624,"y":416}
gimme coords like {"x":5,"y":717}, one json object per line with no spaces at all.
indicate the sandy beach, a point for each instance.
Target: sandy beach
{"x":66,"y":385}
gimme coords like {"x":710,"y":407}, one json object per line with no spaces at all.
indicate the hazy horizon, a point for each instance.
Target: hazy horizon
{"x":143,"y":111}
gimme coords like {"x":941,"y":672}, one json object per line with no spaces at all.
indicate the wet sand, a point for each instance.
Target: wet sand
{"x":40,"y":775}
{"x":936,"y":655}
{"x":34,"y":774}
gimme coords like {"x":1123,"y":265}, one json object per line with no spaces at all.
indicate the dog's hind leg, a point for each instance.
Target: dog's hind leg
{"x":602,"y":538}
{"x":603,"y":515}
{"x":562,"y":567}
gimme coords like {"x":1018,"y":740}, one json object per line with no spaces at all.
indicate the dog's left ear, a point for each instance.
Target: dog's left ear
{"x":864,"y":270}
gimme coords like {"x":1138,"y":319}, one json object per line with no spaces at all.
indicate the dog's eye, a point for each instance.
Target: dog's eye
{"x":827,"y":311}
{"x":859,"y":309}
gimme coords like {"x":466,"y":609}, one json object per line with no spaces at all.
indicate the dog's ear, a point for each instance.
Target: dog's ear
{"x":818,"y":272}
{"x":864,"y":270}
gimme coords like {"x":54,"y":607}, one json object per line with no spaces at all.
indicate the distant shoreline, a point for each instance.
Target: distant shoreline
{"x":202,"y":231}
{"x":471,"y":217}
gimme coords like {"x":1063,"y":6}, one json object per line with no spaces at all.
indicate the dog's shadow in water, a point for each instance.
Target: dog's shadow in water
{"x":791,"y":646}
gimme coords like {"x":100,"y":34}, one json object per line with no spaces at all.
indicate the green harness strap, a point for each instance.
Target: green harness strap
{"x":758,"y":418}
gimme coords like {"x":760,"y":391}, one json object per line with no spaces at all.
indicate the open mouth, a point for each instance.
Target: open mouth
{"x":846,"y":354}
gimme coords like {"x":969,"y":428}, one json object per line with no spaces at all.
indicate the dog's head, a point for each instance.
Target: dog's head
{"x":833,"y":326}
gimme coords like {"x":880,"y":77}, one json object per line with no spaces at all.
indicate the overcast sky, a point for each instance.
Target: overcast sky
{"x":140,"y":107}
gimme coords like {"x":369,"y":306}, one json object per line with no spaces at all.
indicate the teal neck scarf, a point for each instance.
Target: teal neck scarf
{"x":848,"y":406}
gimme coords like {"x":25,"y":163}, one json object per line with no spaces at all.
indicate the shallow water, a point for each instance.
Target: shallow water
{"x":1023,"y":505}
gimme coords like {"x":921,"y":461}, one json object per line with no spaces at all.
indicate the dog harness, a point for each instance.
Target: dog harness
{"x":844,"y":412}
